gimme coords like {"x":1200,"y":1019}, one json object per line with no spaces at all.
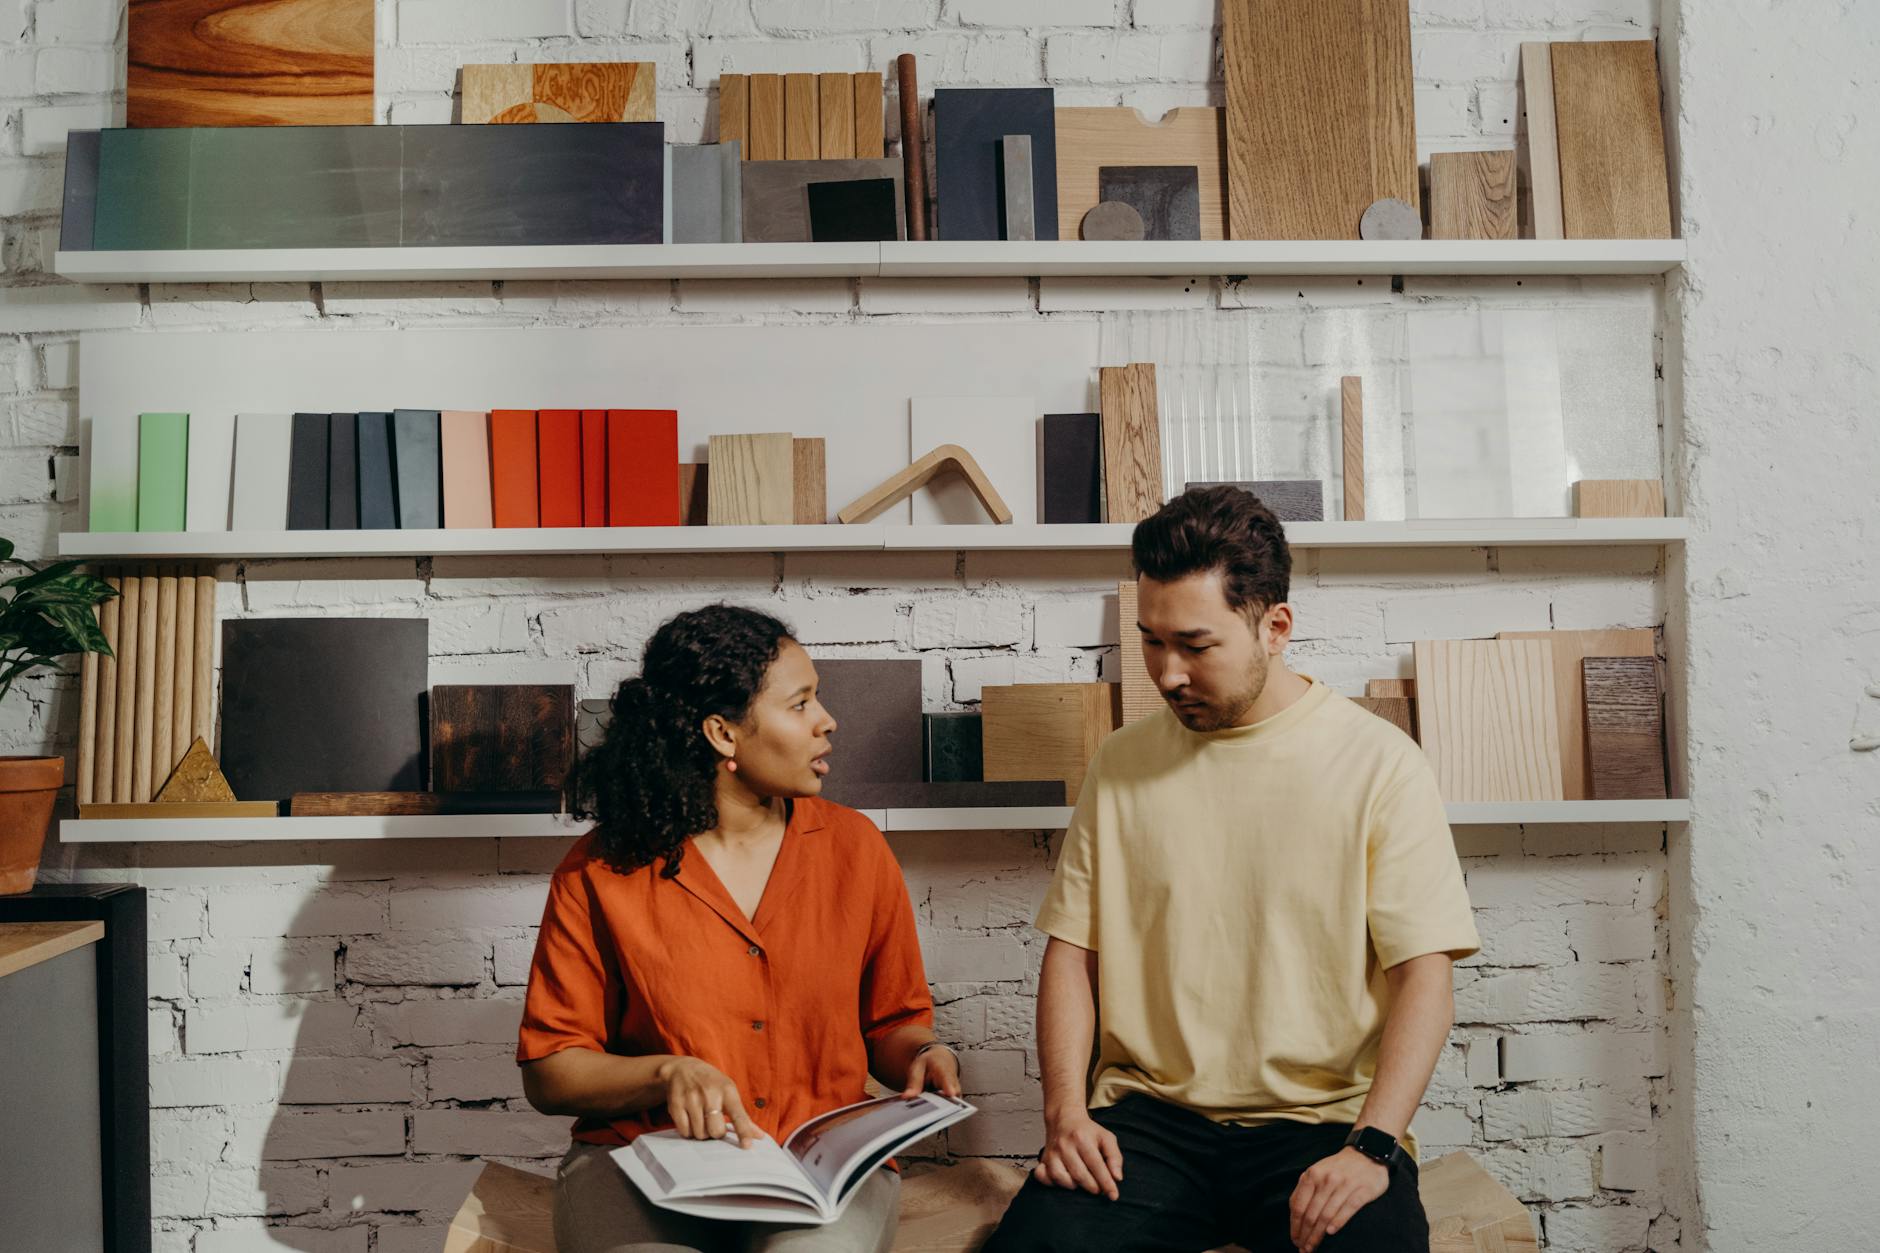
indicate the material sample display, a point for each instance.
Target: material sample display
{"x":1091,"y":140}
{"x":1132,"y":442}
{"x":1570,"y":648}
{"x":1488,"y":719}
{"x":250,"y":63}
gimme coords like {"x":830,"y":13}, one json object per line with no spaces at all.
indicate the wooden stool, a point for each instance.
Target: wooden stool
{"x":952,"y":1209}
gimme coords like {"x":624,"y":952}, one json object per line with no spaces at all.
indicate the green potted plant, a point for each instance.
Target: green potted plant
{"x":46,"y":613}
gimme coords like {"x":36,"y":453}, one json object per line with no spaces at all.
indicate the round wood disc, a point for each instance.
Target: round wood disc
{"x":1113,"y":220}
{"x":1391,"y":218}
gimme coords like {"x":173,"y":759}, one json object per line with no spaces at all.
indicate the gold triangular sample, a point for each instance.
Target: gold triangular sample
{"x":197,"y":778}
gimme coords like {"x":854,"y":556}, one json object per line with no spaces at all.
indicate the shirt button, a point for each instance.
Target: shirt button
{"x":755,"y":951}
{"x":757,"y":1026}
{"x":760,"y":1102}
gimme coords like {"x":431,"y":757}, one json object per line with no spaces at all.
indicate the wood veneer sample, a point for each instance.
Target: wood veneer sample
{"x":802,"y":126}
{"x":1488,"y":719}
{"x":558,"y":466}
{"x":766,"y":128}
{"x":1089,"y":139}
{"x":513,"y":490}
{"x":835,"y":114}
{"x":1046,"y":730}
{"x":183,"y":670}
{"x":250,"y":63}
{"x":734,"y":112}
{"x":752,"y":479}
{"x":117,"y":812}
{"x":1140,"y":696}
{"x":501,"y":737}
{"x":1543,"y":141}
{"x":105,"y":745}
{"x":1351,"y":430}
{"x":417,"y":804}
{"x":1321,"y":120}
{"x":1613,"y":182}
{"x":1132,"y":442}
{"x":1570,"y":649}
{"x":1625,"y":728}
{"x":163,"y":685}
{"x":88,"y":718}
{"x":581,"y":91}
{"x":870,"y":126}
{"x":1619,"y":498}
{"x":1472,"y":196}
{"x":1386,"y":688}
{"x":1399,"y":711}
{"x":694,"y":494}
{"x":809,"y":491}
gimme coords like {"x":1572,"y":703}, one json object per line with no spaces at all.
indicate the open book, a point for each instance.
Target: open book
{"x":810,"y":1178}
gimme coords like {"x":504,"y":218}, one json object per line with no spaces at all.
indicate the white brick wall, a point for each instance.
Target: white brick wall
{"x":331,"y":1026}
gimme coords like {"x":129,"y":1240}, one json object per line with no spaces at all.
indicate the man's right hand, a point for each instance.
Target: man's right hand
{"x":704,"y":1103}
{"x":1078,"y":1153}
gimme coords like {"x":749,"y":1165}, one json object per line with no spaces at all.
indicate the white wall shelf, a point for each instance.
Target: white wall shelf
{"x":932,"y":259}
{"x":1114,"y":537}
{"x":549,"y":826}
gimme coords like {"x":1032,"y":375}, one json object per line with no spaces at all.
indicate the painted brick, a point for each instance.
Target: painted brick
{"x":450,"y":1022}
{"x":488,"y":1133}
{"x":1532,"y":1114}
{"x":436,"y":963}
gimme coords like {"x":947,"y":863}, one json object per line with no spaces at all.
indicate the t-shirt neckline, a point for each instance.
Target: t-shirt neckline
{"x":1267,"y":729}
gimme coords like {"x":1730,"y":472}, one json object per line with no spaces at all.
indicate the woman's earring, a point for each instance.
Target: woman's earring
{"x":731,"y":765}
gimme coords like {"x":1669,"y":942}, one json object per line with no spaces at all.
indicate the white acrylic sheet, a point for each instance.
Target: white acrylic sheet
{"x":1001,"y":435}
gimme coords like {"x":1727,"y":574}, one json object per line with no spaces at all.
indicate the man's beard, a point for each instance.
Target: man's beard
{"x":1217,"y":715}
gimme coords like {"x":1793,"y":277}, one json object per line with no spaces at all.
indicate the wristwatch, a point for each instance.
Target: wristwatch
{"x":1380,"y":1146}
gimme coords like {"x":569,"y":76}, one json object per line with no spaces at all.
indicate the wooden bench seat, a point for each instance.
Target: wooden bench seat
{"x":952,"y":1209}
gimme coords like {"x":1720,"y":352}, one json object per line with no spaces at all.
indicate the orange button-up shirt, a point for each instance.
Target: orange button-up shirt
{"x":785,"y":1004}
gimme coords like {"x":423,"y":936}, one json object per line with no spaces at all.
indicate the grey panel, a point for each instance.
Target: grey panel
{"x":51,"y":1155}
{"x":592,"y":183}
{"x":143,"y":189}
{"x":776,"y":195}
{"x":876,"y":705}
{"x":295,"y":186}
{"x":1167,"y":196}
{"x":81,"y":191}
{"x":707,"y":206}
{"x":970,"y":126}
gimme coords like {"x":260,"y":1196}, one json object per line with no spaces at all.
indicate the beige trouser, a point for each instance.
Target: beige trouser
{"x":598,"y":1210}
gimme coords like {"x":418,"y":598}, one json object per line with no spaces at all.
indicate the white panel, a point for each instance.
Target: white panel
{"x":114,"y":460}
{"x":263,"y":443}
{"x":848,"y":383}
{"x":211,"y":471}
{"x":1001,"y":433}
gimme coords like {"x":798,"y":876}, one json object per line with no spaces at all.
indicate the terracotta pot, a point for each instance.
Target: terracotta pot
{"x":28,"y":786}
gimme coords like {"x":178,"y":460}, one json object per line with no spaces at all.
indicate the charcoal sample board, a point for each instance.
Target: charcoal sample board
{"x":501,"y":737}
{"x":306,"y":474}
{"x":381,"y":186}
{"x":970,"y":126}
{"x":776,"y":205}
{"x":863,"y":210}
{"x":378,"y":479}
{"x":250,"y":63}
{"x":955,"y":747}
{"x":416,"y":451}
{"x":342,"y":472}
{"x":1073,"y":467}
{"x":878,"y":736}
{"x":322,"y":705}
{"x":1168,"y":197}
{"x":80,"y":202}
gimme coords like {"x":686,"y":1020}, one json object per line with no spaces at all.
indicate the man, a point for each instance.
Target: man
{"x":1259,"y":897}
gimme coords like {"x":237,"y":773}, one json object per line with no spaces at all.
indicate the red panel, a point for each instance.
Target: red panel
{"x":512,"y":467}
{"x":558,"y":437}
{"x":643,"y":467}
{"x":593,"y":467}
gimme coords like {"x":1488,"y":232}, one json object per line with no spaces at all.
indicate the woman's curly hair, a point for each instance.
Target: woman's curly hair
{"x":649,"y":784}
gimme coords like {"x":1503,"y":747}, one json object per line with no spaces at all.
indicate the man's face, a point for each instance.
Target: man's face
{"x":1208,"y":660}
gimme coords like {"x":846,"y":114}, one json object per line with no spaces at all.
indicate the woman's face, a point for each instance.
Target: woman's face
{"x":783,"y":747}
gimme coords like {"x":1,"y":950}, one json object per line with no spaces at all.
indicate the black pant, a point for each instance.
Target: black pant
{"x":1192,"y":1184}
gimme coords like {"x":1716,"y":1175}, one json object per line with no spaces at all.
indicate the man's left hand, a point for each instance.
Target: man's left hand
{"x":1331,"y":1191}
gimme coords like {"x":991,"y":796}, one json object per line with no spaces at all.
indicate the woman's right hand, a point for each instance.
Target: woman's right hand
{"x":704,"y":1103}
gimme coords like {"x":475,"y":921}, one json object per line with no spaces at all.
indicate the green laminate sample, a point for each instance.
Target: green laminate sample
{"x":143,"y":189}
{"x":162,"y":471}
{"x":295,"y":186}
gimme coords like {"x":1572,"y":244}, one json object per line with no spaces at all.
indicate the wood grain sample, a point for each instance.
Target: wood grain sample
{"x":501,"y":737}
{"x":752,"y":479}
{"x":1570,"y":648}
{"x":419,"y":804}
{"x":870,"y":126}
{"x":913,"y":145}
{"x":1399,"y":711}
{"x":1089,"y":139}
{"x":513,"y":489}
{"x":196,"y":779}
{"x":1542,"y":154}
{"x":1618,"y":498}
{"x":88,"y":718}
{"x":1320,"y":115}
{"x":202,"y":703}
{"x":250,"y":63}
{"x":947,"y":458}
{"x":642,"y":455}
{"x":124,"y":738}
{"x":1625,"y":728}
{"x":1472,"y":196}
{"x":585,"y":91}
{"x":766,"y":124}
{"x":183,"y":670}
{"x":802,"y":122}
{"x":1613,"y":182}
{"x":1351,"y":432}
{"x":734,"y":112}
{"x":143,"y":746}
{"x":105,"y":746}
{"x":835,"y":115}
{"x":1050,"y":731}
{"x":558,"y":466}
{"x":1488,"y":719}
{"x":1385,"y":688}
{"x":809,"y":477}
{"x":163,"y":695}
{"x":1140,"y":695}
{"x":464,"y":441}
{"x":118,"y":812}
{"x":1132,"y":442}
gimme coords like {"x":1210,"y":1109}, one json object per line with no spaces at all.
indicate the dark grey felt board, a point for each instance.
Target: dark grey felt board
{"x":1167,"y":196}
{"x":970,"y":126}
{"x":323,"y":705}
{"x":876,"y":705}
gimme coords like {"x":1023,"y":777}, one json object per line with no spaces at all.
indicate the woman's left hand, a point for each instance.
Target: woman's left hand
{"x":938,"y":1069}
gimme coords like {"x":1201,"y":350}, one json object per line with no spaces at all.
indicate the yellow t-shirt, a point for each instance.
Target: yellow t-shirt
{"x":1246,"y":889}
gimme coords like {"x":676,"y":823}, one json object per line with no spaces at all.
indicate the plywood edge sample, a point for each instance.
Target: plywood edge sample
{"x":1351,"y":429}
{"x":809,"y":490}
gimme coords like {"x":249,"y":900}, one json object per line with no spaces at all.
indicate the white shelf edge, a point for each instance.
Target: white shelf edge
{"x":548,"y":826}
{"x":899,"y":259}
{"x":232,"y":546}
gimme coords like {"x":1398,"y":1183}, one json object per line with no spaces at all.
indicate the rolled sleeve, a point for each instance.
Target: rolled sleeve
{"x":1069,"y":912}
{"x":568,"y":1003}
{"x":1416,"y":901}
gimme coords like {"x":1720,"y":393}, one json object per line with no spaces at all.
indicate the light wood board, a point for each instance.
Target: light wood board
{"x":802,"y":123}
{"x":202,"y":704}
{"x":1542,"y":154}
{"x":1569,"y":649}
{"x":1489,"y":719}
{"x":1141,"y":697}
{"x":163,"y":714}
{"x":105,"y":733}
{"x":181,"y":809}
{"x":870,"y":123}
{"x":1472,"y":196}
{"x":580,"y":91}
{"x":809,"y":480}
{"x":1321,"y":120}
{"x":751,"y":479}
{"x":1351,"y":431}
{"x":766,"y":125}
{"x":124,"y":751}
{"x":734,"y":112}
{"x":1613,"y":183}
{"x":835,"y":115}
{"x":26,"y":944}
{"x":1625,"y":728}
{"x":946,"y":459}
{"x":1046,"y":730}
{"x":1089,"y":139}
{"x":1132,"y":441}
{"x":250,"y":63}
{"x":1618,"y":498}
{"x":143,"y":741}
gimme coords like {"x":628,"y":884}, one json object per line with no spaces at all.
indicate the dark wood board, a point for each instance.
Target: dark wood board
{"x":501,"y":737}
{"x":250,"y":63}
{"x":1625,"y":728}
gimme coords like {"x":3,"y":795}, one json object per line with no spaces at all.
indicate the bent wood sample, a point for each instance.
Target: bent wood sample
{"x":945,"y":459}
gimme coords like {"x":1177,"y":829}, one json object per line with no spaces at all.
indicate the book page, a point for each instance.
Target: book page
{"x":832,"y":1146}
{"x":704,"y":1167}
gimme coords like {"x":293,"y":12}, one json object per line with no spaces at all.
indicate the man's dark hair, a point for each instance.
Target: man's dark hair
{"x":1218,"y":528}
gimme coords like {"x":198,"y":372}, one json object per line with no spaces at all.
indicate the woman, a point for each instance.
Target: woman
{"x":725,"y":951}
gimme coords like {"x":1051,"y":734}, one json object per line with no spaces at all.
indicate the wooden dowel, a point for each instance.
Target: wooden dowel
{"x":203,"y":702}
{"x":103,"y":769}
{"x":183,"y":673}
{"x":130,"y":615}
{"x":163,"y":695}
{"x":913,"y":147}
{"x":144,"y":738}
